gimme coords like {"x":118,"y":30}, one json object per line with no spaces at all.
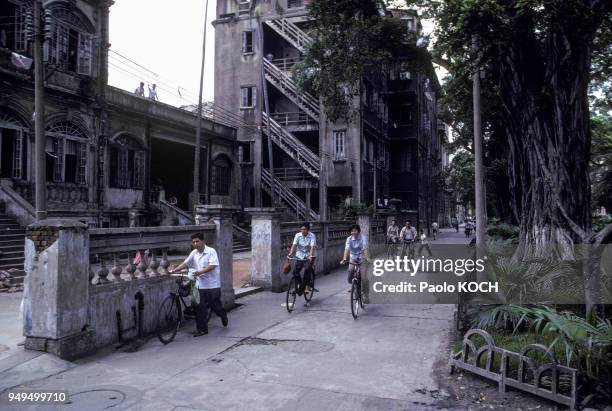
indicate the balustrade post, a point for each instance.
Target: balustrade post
{"x":130,"y":268}
{"x":116,"y":269}
{"x":365,"y":222}
{"x":266,"y":248}
{"x":222,"y":218}
{"x":103,"y":273}
{"x":56,"y":294}
{"x":141,"y":268}
{"x":154,"y":266}
{"x":165,"y":263}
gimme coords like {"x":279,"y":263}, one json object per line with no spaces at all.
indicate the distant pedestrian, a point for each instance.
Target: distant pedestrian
{"x":270,"y":56}
{"x":153,"y":92}
{"x":205,"y":262}
{"x":140,"y":90}
{"x":434,"y":229}
{"x":424,"y":244}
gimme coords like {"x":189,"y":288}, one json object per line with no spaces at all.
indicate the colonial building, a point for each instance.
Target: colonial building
{"x":392,"y":148}
{"x":110,"y":154}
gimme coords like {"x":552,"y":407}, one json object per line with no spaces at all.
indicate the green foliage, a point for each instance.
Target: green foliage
{"x":584,"y":343}
{"x":461,"y":176}
{"x":348,"y":37}
{"x":601,"y":161}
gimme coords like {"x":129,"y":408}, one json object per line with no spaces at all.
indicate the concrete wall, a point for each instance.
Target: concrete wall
{"x":106,"y":299}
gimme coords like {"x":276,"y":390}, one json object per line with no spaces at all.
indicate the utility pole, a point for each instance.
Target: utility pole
{"x":198,"y":139}
{"x":39,"y":117}
{"x":478,"y":162}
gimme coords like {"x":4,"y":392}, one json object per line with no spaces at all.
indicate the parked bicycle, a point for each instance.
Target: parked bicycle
{"x":174,"y":311}
{"x":295,"y":282}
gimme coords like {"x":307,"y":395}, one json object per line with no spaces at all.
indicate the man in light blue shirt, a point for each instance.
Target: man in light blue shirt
{"x":305,"y":248}
{"x":356,"y":247}
{"x":205,"y":263}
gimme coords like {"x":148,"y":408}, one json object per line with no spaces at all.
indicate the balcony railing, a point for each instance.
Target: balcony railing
{"x":290,"y":173}
{"x":286,"y":64}
{"x":294,"y":119}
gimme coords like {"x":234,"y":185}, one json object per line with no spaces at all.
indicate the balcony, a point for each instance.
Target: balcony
{"x":294,"y":4}
{"x":295,"y":121}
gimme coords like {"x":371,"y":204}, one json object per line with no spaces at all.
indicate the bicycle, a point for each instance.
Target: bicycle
{"x":409,"y":244}
{"x":173,"y":310}
{"x":356,"y":295}
{"x":391,"y":247}
{"x":292,"y":289}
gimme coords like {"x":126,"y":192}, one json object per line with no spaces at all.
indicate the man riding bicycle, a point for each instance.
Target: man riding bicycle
{"x":304,"y":246}
{"x":408,"y":235}
{"x":393,"y":232}
{"x":356,"y":247}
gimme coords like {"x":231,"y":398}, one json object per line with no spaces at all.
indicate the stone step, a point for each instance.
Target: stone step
{"x":8,"y":263}
{"x":17,"y":277}
{"x":18,"y":230}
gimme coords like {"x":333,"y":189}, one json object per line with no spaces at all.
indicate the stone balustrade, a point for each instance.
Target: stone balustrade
{"x":126,"y":254}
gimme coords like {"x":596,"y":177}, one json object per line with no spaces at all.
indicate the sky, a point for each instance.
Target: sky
{"x":164,"y":46}
{"x":164,"y":43}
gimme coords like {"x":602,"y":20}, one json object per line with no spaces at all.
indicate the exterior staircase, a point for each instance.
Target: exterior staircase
{"x":287,"y":196}
{"x":290,"y":32}
{"x":12,"y":239}
{"x":285,"y":84}
{"x":308,"y":160}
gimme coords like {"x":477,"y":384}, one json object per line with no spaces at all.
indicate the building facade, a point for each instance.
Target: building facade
{"x":391,"y":148}
{"x":110,"y":155}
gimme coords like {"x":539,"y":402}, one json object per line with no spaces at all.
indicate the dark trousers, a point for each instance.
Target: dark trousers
{"x":302,"y":283}
{"x":209,"y":298}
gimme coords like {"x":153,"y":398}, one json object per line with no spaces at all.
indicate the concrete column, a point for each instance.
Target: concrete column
{"x":221,"y":216}
{"x":308,"y":207}
{"x":56,"y":295}
{"x":266,"y":248}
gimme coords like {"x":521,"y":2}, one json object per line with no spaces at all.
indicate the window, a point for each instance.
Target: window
{"x":247,"y":96}
{"x":291,"y":4}
{"x":12,"y":26}
{"x":406,"y":160}
{"x":244,"y":7}
{"x":13,"y":135}
{"x":66,"y":152}
{"x":221,"y":176}
{"x":339,"y":143}
{"x":247,"y":42}
{"x":70,"y":46}
{"x":127,"y":164}
{"x":410,"y":25}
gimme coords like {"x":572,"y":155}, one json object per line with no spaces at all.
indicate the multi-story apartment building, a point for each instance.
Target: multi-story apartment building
{"x":108,"y":151}
{"x":392,"y":148}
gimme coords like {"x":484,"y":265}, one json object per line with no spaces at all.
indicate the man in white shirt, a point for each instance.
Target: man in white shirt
{"x":205,"y":262}
{"x":153,"y":92}
{"x":408,"y":235}
{"x":434,"y":229}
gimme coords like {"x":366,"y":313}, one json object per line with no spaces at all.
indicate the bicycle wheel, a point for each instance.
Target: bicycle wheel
{"x":291,"y":294}
{"x":355,"y":298}
{"x":308,"y":294}
{"x":168,"y":319}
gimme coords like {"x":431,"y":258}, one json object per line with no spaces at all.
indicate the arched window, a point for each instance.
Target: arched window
{"x":221,"y":176}
{"x":127,"y":163}
{"x":66,"y":148}
{"x":13,"y":132}
{"x":70,"y":46}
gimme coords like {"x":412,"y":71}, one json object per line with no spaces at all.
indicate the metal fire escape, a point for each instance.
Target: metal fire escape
{"x":280,"y":78}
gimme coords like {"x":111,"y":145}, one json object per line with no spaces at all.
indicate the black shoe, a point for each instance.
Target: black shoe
{"x":224,"y":321}
{"x":199,"y":333}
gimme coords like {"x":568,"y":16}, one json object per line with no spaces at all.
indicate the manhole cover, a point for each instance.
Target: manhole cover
{"x":94,"y":399}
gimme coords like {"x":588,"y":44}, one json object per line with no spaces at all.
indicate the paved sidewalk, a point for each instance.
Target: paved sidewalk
{"x":317,"y":358}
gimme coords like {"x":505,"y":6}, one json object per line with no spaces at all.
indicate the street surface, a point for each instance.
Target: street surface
{"x":317,"y":358}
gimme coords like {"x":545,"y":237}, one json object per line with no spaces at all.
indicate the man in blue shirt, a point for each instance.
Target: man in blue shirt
{"x":205,"y":262}
{"x":305,"y":247}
